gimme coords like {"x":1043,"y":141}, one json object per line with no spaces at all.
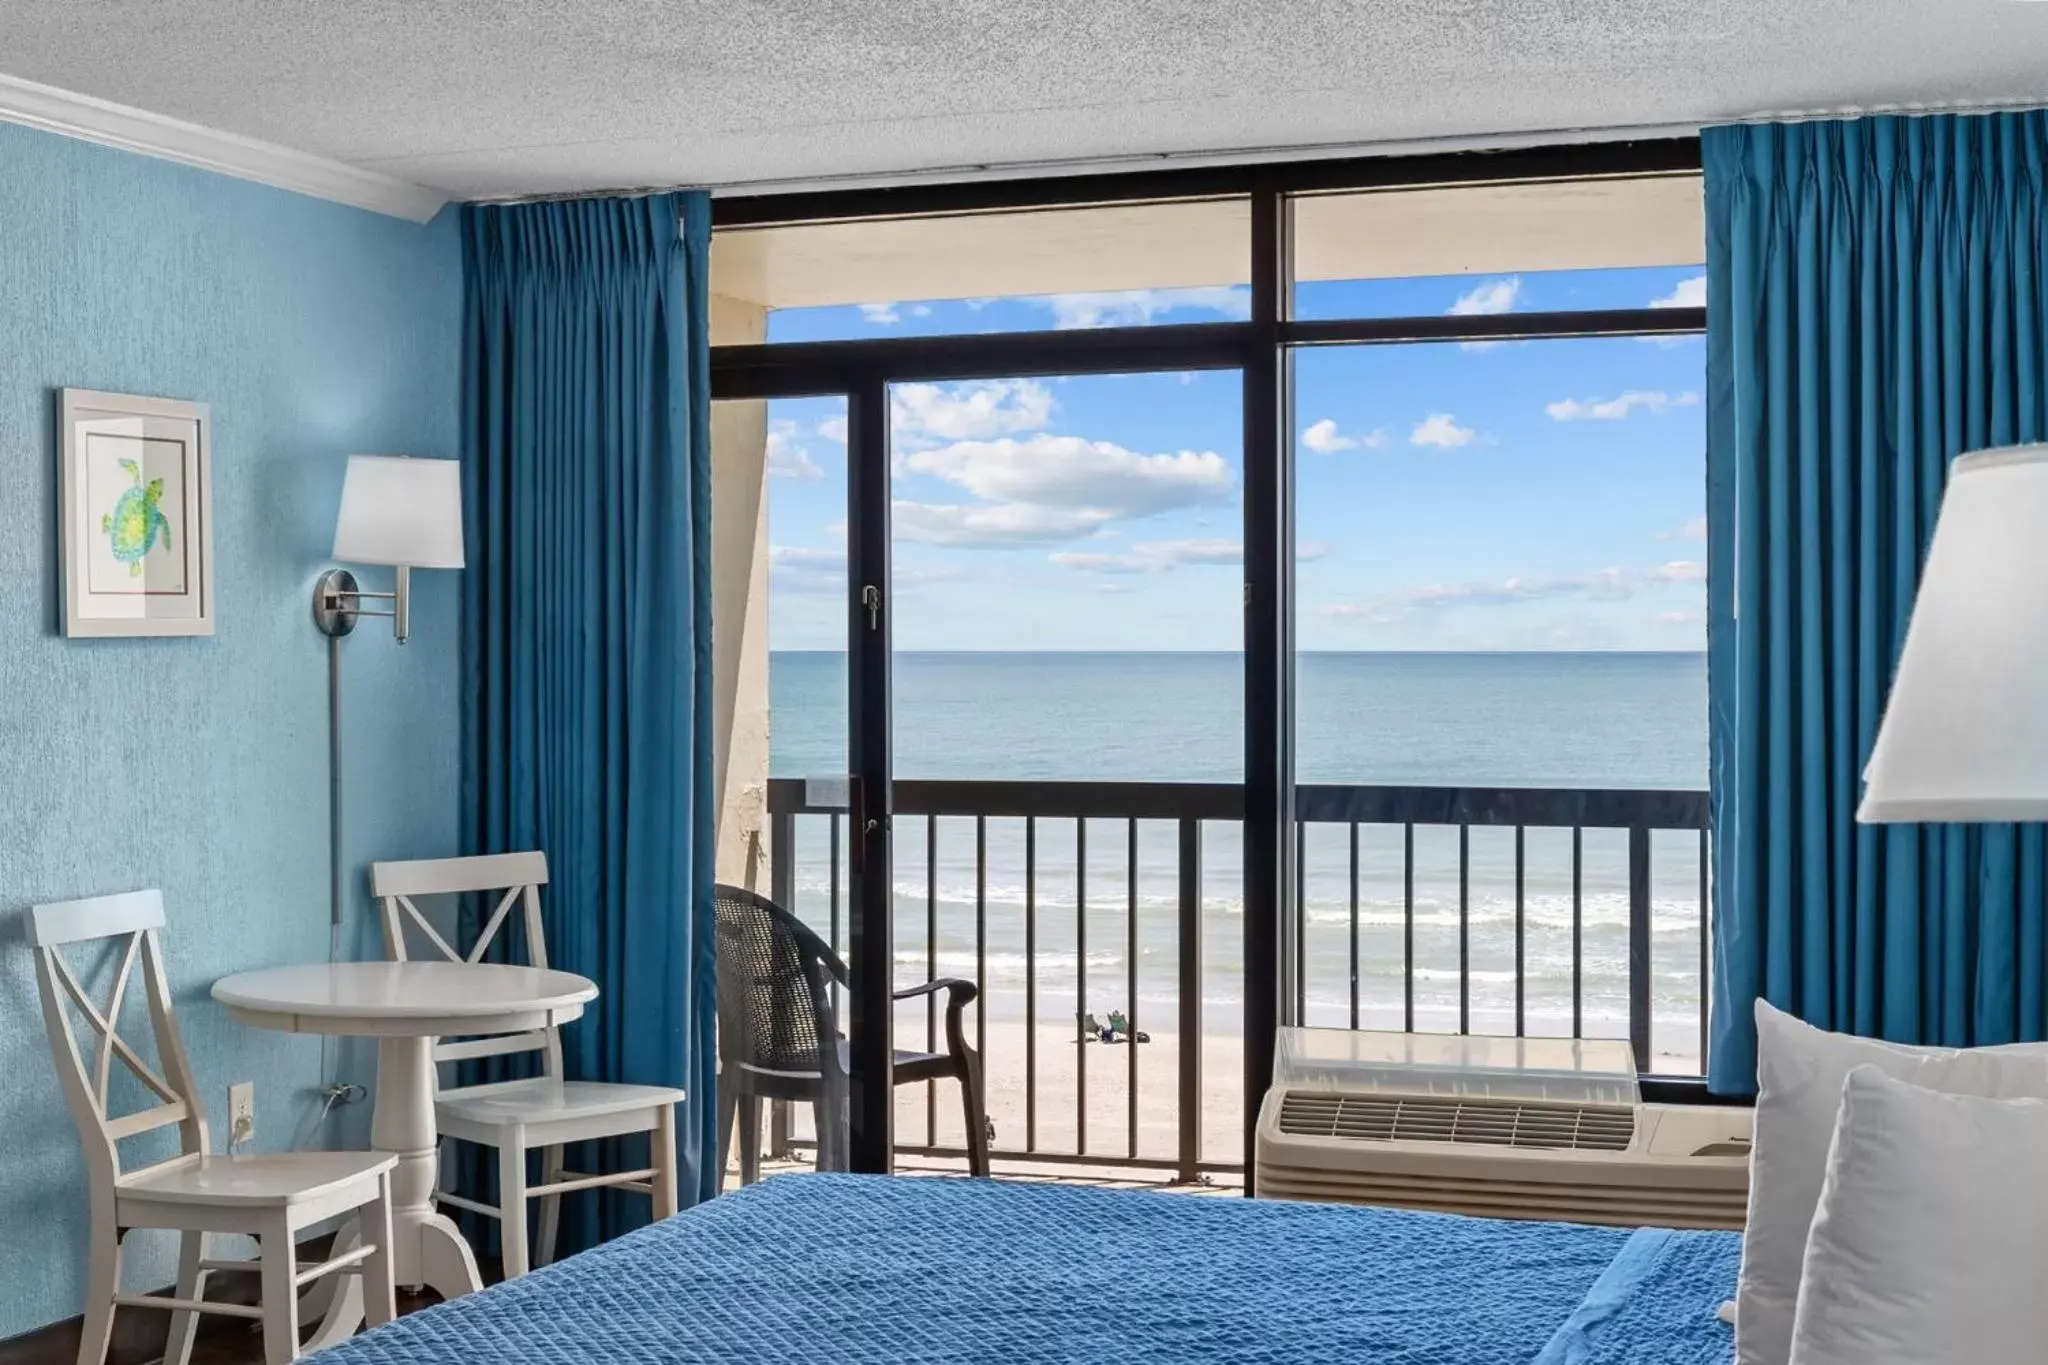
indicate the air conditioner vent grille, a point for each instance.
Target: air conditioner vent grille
{"x":1543,"y":1125}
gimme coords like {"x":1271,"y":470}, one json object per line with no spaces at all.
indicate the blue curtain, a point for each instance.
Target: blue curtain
{"x":587,"y":625}
{"x":1878,"y":296}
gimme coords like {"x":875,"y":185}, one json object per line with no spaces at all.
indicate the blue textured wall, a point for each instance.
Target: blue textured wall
{"x":200,"y":766}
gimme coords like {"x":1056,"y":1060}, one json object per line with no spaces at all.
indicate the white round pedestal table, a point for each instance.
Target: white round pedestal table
{"x":405,"y":1006}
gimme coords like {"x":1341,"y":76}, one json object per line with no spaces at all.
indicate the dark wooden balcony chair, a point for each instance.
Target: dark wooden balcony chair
{"x":778,"y":1038}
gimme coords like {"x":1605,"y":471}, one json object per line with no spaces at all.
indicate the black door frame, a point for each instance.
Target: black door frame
{"x":1261,"y":348}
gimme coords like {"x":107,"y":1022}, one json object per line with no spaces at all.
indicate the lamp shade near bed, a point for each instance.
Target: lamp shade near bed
{"x":1965,"y":732}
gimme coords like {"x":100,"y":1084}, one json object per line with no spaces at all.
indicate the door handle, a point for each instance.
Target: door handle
{"x":860,"y":825}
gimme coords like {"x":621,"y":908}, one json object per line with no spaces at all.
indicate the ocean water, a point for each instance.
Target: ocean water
{"x":1529,"y":719}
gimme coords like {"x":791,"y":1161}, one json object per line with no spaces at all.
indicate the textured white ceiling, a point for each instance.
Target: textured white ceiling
{"x":498,"y":97}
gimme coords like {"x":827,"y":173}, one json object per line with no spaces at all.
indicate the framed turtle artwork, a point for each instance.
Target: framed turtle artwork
{"x":136,"y":540}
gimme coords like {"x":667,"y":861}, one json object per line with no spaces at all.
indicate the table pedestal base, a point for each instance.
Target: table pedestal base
{"x":426,"y":1246}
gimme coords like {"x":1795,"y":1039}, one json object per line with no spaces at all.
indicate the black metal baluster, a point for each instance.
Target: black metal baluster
{"x":1521,"y":938}
{"x":782,"y":859}
{"x":832,"y":887}
{"x":1408,"y":927}
{"x":832,"y":879}
{"x":1030,"y":983}
{"x":781,"y":890}
{"x":1464,"y":928}
{"x":1131,"y":987}
{"x":981,"y":933}
{"x":1578,"y":933}
{"x":1354,"y":924}
{"x":1706,"y":909}
{"x":1639,"y":946}
{"x":931,"y":971}
{"x":1080,"y":985}
{"x":1190,"y":961}
{"x":1301,"y":922}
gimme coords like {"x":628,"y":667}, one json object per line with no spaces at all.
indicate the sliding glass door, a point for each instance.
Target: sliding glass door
{"x":1067,"y":572}
{"x":1070,"y":568}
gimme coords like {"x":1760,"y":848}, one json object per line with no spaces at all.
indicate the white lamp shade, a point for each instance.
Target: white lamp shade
{"x":1965,"y":733}
{"x":400,"y":511}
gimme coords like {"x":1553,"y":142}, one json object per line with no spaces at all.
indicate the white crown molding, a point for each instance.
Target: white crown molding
{"x":137,"y":130}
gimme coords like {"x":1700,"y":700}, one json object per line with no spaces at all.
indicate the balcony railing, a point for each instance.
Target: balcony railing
{"x":1495,"y":910}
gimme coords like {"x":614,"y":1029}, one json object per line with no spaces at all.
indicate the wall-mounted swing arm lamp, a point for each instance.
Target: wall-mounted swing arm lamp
{"x":398,"y":511}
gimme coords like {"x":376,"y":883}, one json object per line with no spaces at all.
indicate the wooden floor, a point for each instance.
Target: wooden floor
{"x":139,"y":1333}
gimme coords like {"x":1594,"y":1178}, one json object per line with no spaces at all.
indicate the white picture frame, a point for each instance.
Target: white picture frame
{"x":135,"y":534}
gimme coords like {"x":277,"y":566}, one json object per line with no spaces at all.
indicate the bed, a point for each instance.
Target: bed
{"x":856,"y":1269}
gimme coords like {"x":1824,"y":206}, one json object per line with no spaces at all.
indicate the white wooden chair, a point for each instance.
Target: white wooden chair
{"x":546,"y":1111}
{"x":270,"y":1196}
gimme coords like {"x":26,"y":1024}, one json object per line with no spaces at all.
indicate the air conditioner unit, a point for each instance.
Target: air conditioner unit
{"x":1495,"y":1128}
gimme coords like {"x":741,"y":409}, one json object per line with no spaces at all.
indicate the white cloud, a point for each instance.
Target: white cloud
{"x":1095,"y":562}
{"x":1690,"y":293}
{"x":1324,"y":438}
{"x":883,"y":314}
{"x":1607,"y":585}
{"x":787,"y":459}
{"x":968,"y":412}
{"x":1603,"y":585}
{"x":1156,"y":556}
{"x":1680,"y":618}
{"x":1495,"y":296}
{"x":1161,"y":556}
{"x":1034,"y":487}
{"x":1074,"y":473}
{"x":1440,"y":429}
{"x":1136,"y":307}
{"x":1654,"y":401}
{"x":1695,"y":529}
{"x":1005,"y":525}
{"x":793,"y":568}
{"x":833,"y":429}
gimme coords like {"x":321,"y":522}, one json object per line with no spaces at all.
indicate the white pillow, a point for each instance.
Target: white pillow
{"x":1931,"y":1243}
{"x":1799,"y":1074}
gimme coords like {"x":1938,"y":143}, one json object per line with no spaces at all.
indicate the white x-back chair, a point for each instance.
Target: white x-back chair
{"x":269,"y":1196}
{"x":546,"y":1111}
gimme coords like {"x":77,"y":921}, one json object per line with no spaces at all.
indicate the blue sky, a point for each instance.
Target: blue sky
{"x":1530,"y":495}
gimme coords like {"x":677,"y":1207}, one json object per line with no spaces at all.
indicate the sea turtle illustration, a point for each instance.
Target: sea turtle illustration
{"x":135,"y":523}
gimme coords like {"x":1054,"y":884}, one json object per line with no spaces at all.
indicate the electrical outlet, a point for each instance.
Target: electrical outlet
{"x":241,"y":1113}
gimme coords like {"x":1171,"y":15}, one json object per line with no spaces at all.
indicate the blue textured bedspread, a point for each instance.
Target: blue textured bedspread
{"x":856,"y":1269}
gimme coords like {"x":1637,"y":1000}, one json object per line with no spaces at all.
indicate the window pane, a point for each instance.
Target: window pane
{"x":1502,"y":585}
{"x":1123,"y":265}
{"x":1503,"y":547}
{"x":1489,"y":249}
{"x":1068,"y":578}
{"x":806,"y":625}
